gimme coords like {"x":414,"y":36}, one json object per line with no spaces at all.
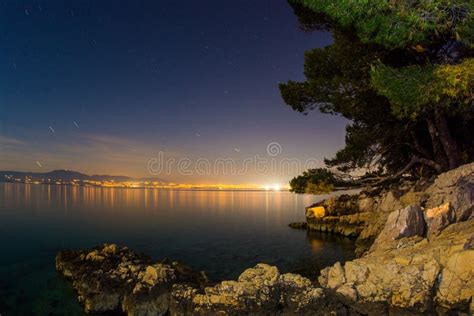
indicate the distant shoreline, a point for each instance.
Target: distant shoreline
{"x":145,"y":187}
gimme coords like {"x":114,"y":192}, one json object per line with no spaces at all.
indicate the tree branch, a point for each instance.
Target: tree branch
{"x":414,"y":160}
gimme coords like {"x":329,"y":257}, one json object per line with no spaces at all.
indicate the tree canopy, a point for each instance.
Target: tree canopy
{"x":402,"y":73}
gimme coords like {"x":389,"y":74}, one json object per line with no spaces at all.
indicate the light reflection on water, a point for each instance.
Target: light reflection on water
{"x":221,"y":232}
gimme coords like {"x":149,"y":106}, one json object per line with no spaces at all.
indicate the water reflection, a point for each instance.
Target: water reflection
{"x":220,"y":232}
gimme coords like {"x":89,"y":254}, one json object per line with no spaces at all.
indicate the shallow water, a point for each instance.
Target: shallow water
{"x":221,"y":232}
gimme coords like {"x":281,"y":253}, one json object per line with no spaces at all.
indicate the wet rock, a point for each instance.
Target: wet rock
{"x":298,"y":225}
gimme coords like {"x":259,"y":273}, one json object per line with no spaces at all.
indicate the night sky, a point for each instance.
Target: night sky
{"x":103,"y":86}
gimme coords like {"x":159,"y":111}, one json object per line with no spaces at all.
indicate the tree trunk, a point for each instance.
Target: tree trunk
{"x":418,"y":147}
{"x":449,"y":144}
{"x":438,"y":153}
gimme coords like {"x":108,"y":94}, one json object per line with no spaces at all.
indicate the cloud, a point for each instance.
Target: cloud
{"x":5,"y":140}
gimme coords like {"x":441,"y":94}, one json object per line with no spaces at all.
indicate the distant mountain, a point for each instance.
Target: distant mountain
{"x":69,"y":175}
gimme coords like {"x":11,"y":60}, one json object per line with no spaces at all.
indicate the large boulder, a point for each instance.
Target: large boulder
{"x":406,"y":222}
{"x":438,"y":218}
{"x":455,"y":187}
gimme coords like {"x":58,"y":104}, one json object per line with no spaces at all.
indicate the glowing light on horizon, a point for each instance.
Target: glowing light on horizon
{"x":274,"y":187}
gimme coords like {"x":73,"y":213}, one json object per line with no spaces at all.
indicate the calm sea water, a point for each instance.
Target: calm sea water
{"x":220,"y":232}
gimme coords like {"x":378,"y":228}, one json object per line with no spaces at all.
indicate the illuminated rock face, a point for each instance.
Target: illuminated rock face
{"x":316,"y":212}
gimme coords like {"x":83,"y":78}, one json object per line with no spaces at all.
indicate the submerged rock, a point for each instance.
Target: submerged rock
{"x":298,"y":225}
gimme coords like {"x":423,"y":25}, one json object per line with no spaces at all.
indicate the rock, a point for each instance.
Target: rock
{"x":457,"y":188}
{"x":94,"y":256}
{"x":260,"y":290}
{"x":150,"y":275}
{"x":101,"y":302}
{"x":123,"y":280}
{"x":110,"y":249}
{"x":255,"y":292}
{"x":438,"y":218}
{"x":405,"y":222}
{"x":355,"y":273}
{"x":389,"y":202}
{"x":347,"y":292}
{"x":127,"y":282}
{"x":366,"y":204}
{"x":334,"y":206}
{"x":414,"y":275}
{"x":156,"y":303}
{"x":315,"y":212}
{"x":336,"y":276}
{"x":181,"y":300}
{"x":419,"y":261}
{"x":298,"y":225}
{"x":456,"y":287}
{"x":361,"y":216}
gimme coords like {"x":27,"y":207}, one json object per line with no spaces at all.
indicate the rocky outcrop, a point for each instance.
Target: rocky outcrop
{"x":114,"y":279}
{"x":361,"y":216}
{"x":455,"y":187}
{"x":406,"y":222}
{"x":438,"y":218}
{"x":411,"y":274}
{"x":298,"y":225}
{"x":445,"y":200}
{"x":421,"y":258}
{"x":260,"y":290}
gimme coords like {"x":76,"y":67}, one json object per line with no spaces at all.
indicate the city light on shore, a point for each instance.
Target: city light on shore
{"x":275,"y":187}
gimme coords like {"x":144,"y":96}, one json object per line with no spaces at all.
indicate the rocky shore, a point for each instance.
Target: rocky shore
{"x":116,"y":279}
{"x":415,"y":246}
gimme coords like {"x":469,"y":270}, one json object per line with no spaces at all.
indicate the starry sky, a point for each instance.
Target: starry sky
{"x":102,"y":87}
